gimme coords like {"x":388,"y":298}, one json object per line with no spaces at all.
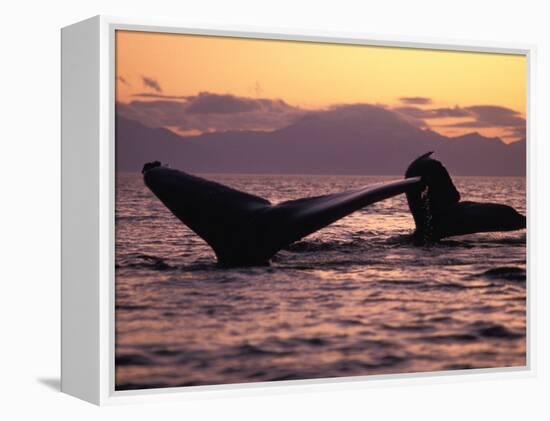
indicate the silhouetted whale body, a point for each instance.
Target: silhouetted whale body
{"x":247,"y":230}
{"x":438,"y":212}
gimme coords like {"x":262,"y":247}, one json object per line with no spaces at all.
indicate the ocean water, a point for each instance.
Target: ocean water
{"x":355,"y":298}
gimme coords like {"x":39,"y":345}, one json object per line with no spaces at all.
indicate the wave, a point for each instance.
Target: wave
{"x":144,"y":261}
{"x":511,"y":273}
{"x":147,"y":261}
{"x":308,"y":246}
{"x":495,"y":330}
{"x":132,"y":360}
{"x":477,"y":331}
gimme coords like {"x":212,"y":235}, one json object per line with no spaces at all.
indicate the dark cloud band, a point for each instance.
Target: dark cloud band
{"x":210,"y":112}
{"x":478,"y":116}
{"x":415,"y":100}
{"x":207,"y":112}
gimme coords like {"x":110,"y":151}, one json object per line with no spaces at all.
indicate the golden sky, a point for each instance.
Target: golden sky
{"x":316,"y":75}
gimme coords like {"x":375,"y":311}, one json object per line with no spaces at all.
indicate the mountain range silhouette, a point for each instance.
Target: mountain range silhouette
{"x":354,"y":139}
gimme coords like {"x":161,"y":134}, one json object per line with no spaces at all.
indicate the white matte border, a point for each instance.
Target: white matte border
{"x":108,"y":26}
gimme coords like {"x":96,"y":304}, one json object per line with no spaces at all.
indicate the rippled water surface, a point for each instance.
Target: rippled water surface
{"x":355,"y":298}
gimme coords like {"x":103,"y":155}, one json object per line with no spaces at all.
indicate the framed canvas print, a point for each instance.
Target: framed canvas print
{"x":245,"y":208}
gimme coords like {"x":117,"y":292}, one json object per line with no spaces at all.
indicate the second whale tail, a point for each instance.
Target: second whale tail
{"x":438,"y":212}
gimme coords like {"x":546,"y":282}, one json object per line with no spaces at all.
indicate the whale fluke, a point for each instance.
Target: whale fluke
{"x":244,"y":229}
{"x":438,"y":212}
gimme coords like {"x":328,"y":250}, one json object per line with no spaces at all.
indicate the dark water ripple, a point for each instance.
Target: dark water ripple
{"x":353,"y":299}
{"x":512,"y":273}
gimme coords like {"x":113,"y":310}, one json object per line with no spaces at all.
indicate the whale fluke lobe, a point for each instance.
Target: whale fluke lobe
{"x":244,"y":229}
{"x":438,"y":212}
{"x":150,"y":165}
{"x":218,"y":214}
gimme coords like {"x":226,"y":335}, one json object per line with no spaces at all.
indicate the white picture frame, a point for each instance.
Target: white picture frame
{"x":88,"y":192}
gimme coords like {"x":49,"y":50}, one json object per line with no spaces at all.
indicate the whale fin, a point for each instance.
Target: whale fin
{"x":441,"y":189}
{"x":296,"y":219}
{"x":244,"y":229}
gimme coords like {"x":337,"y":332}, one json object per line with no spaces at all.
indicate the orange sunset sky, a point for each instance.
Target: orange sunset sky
{"x":486,"y":91}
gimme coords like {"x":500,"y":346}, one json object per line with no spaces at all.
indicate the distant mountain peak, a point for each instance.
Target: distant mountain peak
{"x":476,"y":136}
{"x":355,"y":139}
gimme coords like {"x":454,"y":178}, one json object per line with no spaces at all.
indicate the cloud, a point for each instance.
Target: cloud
{"x":480,"y":115}
{"x":455,"y":112}
{"x":415,"y":100}
{"x":207,"y":103}
{"x":476,"y":116}
{"x":492,"y":115}
{"x":518,"y":132}
{"x":485,"y":116}
{"x":159,"y":96}
{"x":149,"y":82}
{"x":412,"y":115}
{"x":208,"y":112}
{"x":123,"y":80}
{"x":369,"y":117}
{"x":428,"y":113}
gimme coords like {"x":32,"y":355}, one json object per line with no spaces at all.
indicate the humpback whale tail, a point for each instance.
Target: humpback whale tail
{"x":244,"y":229}
{"x":438,"y":212}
